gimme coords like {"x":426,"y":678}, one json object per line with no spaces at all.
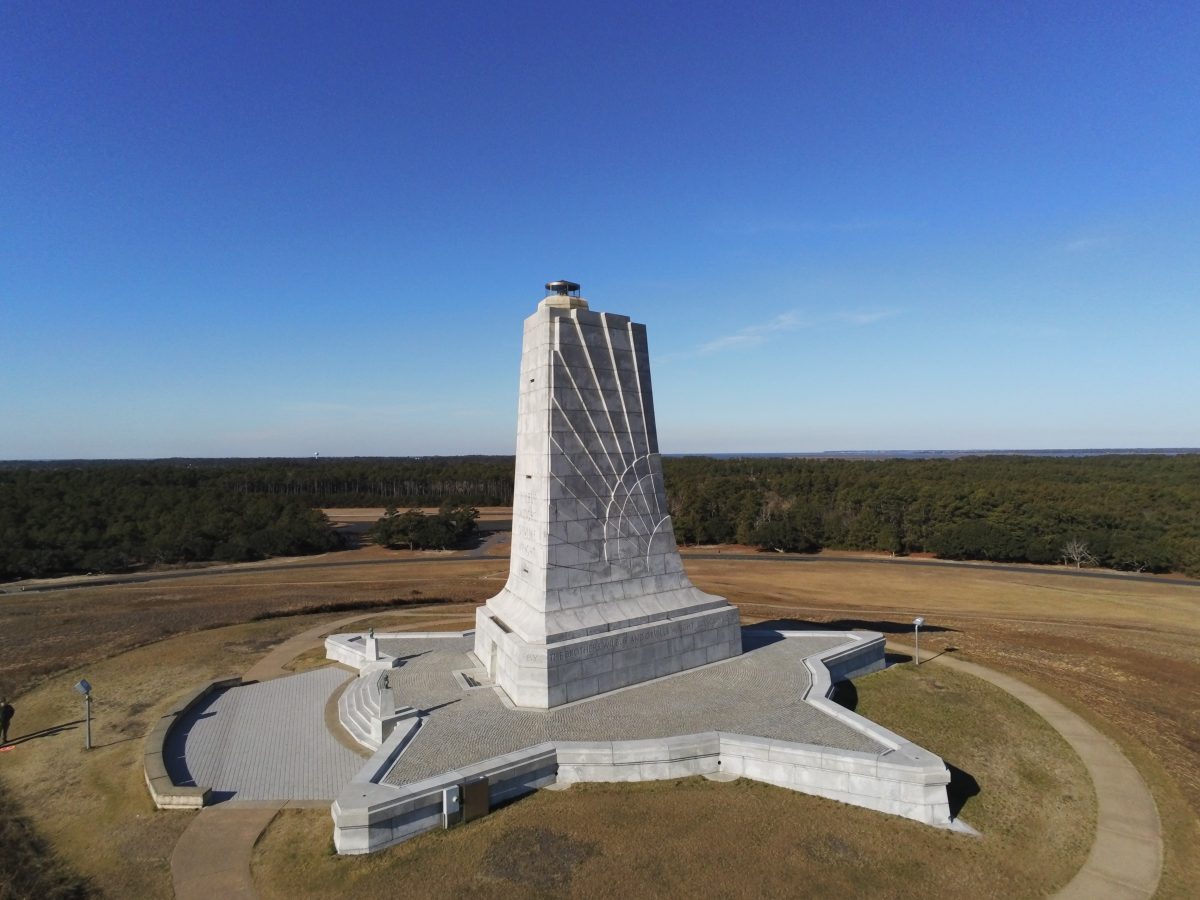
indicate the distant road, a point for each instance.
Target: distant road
{"x":941,"y":563}
{"x":324,"y":562}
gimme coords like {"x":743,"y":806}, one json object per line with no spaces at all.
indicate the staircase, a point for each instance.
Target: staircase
{"x":359,"y":711}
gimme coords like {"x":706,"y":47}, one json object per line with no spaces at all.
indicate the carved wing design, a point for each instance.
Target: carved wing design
{"x":602,"y":431}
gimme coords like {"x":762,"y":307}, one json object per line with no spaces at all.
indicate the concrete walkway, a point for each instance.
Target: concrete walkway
{"x":212,"y":856}
{"x":759,"y":693}
{"x":1126,"y":858}
{"x":264,"y":741}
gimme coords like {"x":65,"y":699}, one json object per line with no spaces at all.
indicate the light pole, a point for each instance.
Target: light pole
{"x":86,"y":689}
{"x":917,"y":623}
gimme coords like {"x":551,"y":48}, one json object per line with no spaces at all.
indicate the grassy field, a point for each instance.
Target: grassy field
{"x":71,"y":627}
{"x":1125,"y":654}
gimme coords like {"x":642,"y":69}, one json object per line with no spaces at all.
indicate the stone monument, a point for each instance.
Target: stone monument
{"x":596,"y":597}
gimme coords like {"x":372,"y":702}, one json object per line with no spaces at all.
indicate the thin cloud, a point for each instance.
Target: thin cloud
{"x":752,"y":335}
{"x":311,"y":407}
{"x":768,"y":225}
{"x":1087,"y":243}
{"x":867,"y":317}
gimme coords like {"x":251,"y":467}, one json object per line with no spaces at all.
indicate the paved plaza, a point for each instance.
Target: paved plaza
{"x":264,"y":741}
{"x":270,"y":741}
{"x":759,"y":693}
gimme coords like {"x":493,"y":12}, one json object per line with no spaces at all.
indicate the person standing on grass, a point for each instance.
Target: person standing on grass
{"x":6,"y":714}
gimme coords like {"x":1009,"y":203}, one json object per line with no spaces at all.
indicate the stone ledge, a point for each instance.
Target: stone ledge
{"x":902,"y":780}
{"x":350,"y":648}
{"x":369,"y":816}
{"x":163,"y":791}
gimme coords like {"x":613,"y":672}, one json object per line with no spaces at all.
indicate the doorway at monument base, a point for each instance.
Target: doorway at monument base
{"x":764,"y":714}
{"x":541,"y":676}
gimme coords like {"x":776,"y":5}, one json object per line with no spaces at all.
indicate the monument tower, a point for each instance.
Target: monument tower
{"x":596,"y":597}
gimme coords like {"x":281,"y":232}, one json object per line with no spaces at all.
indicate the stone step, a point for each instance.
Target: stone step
{"x":369,"y":695}
{"x":359,"y":710}
{"x":359,"y":730}
{"x":355,"y":695}
{"x":355,"y":715}
{"x":359,"y":717}
{"x":353,"y":720}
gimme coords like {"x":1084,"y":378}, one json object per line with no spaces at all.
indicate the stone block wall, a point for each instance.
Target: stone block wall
{"x":369,"y":816}
{"x":547,"y":676}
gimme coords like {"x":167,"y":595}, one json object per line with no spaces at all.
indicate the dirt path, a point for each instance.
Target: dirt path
{"x":1126,"y":858}
{"x":212,"y":857}
{"x":272,"y":665}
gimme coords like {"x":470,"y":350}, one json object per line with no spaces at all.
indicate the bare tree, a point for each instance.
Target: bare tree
{"x":1075,"y":552}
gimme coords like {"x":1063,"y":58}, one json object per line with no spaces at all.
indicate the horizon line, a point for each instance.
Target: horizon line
{"x":993,"y":451}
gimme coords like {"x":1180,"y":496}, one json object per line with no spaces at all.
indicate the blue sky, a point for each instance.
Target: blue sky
{"x":232,"y":229}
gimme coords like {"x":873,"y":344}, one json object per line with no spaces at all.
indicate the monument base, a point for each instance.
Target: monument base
{"x":541,"y":676}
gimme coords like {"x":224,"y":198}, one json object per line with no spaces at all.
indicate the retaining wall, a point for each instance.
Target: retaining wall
{"x":903,"y":780}
{"x":165,"y":793}
{"x":369,"y":816}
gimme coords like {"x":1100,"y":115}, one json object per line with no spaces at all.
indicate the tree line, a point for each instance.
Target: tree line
{"x":1131,"y":512}
{"x":1136,"y":513}
{"x":111,"y":518}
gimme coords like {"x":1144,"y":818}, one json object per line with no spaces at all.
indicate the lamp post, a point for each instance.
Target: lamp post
{"x":917,"y":623}
{"x":86,"y":689}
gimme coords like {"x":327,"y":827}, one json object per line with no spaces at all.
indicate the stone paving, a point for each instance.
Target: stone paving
{"x":264,"y":741}
{"x":759,"y":693}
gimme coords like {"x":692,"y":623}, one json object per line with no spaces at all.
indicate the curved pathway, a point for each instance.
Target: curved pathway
{"x":1126,"y":857}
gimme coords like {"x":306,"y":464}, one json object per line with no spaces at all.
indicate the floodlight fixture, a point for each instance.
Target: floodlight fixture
{"x":85,"y":688}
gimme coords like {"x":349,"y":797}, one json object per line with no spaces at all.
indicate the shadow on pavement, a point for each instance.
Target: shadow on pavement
{"x":175,"y":746}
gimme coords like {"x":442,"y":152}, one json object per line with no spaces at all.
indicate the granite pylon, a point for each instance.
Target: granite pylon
{"x":596,"y":597}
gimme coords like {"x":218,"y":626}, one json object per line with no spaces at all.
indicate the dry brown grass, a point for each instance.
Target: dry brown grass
{"x":43,"y":633}
{"x":93,"y":807}
{"x":1123,"y":653}
{"x":695,"y":838}
{"x":447,"y":618}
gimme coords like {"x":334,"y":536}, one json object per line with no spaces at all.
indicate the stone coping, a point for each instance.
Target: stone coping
{"x":165,"y":793}
{"x":901,"y":778}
